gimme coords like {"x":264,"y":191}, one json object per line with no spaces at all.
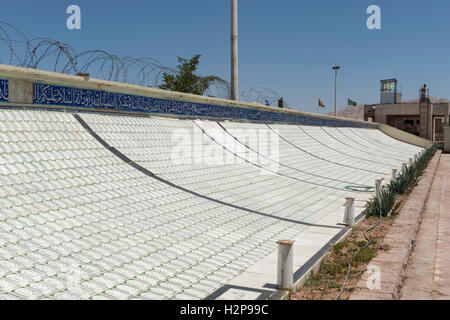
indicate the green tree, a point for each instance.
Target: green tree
{"x":185,"y":79}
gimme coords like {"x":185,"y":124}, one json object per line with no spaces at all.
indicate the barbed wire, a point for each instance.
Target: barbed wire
{"x":17,"y":49}
{"x":45,"y":53}
{"x":263,"y":96}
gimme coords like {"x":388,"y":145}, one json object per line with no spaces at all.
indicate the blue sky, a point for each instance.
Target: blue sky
{"x":287,"y":45}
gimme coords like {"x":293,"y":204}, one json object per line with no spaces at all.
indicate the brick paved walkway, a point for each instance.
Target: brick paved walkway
{"x":428,"y":274}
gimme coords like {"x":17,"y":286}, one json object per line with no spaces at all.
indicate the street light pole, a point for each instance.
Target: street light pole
{"x":234,"y":51}
{"x":335,"y":68}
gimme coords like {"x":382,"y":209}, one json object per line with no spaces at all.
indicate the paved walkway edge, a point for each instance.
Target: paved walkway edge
{"x":385,"y":274}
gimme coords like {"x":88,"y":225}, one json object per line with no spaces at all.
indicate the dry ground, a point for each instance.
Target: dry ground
{"x":327,"y":282}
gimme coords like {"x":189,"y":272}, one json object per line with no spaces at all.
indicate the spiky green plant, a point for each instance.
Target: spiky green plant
{"x":407,"y":179}
{"x":409,"y":176}
{"x":384,"y":205}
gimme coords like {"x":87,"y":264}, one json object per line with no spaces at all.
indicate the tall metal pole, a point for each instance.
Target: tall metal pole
{"x":335,"y":68}
{"x":335,"y":93}
{"x":234,"y":51}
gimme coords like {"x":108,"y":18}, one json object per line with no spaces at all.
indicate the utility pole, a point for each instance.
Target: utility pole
{"x":234,"y":51}
{"x":335,"y":68}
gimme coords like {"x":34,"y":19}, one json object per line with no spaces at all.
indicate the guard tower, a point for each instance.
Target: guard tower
{"x":390,"y":92}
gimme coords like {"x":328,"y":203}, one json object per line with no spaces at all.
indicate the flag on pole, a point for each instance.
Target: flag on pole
{"x":321,"y":104}
{"x":350,"y":102}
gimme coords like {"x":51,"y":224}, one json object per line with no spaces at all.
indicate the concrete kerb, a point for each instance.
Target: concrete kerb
{"x":404,"y":136}
{"x":400,"y":244}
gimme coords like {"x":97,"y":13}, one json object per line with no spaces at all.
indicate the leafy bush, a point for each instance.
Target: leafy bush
{"x":339,"y":246}
{"x":365,"y":255}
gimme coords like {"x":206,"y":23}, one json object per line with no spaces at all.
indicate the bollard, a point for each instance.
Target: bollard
{"x":378,"y":187}
{"x":349,"y":217}
{"x":394,"y":174}
{"x":410,"y":160}
{"x":415,"y":157}
{"x":285,"y":273}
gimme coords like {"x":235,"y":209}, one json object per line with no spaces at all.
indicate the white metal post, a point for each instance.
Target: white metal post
{"x":378,"y":187}
{"x":285,"y":273}
{"x":394,"y":174}
{"x":234,"y":51}
{"x":349,"y":217}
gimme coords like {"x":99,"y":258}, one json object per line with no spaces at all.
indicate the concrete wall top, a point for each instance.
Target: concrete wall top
{"x":37,"y":87}
{"x":404,"y":136}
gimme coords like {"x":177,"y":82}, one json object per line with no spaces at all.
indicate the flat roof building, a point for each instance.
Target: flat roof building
{"x":423,"y":117}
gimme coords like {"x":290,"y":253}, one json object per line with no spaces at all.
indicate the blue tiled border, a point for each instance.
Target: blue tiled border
{"x":94,"y":99}
{"x":4,"y":90}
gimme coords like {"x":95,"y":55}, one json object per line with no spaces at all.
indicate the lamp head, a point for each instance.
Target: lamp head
{"x":336,"y":68}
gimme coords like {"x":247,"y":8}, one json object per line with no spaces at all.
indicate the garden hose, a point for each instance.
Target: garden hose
{"x":424,"y":159}
{"x":366,"y":245}
{"x":361,"y":188}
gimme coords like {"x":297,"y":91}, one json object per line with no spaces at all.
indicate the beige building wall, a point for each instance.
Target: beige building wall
{"x":447,"y":139}
{"x":412,"y":109}
{"x":442,"y":109}
{"x":383,"y":110}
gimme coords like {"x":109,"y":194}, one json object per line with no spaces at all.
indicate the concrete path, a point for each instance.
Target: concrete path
{"x":260,"y":280}
{"x":428,"y":274}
